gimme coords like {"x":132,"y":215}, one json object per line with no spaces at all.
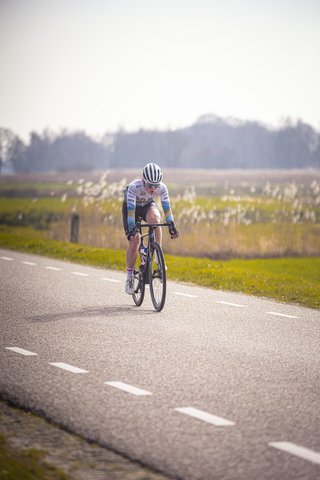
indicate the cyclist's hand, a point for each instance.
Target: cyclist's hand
{"x":173,"y":231}
{"x":135,"y":230}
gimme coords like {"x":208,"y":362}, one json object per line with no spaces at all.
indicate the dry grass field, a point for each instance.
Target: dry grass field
{"x":220,"y":214}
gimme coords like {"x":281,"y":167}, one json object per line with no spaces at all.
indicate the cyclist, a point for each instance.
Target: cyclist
{"x":139,"y":202}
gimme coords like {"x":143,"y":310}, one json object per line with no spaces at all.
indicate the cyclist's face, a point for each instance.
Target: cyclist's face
{"x":149,"y":190}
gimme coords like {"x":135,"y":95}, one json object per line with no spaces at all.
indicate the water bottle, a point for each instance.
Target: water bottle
{"x":143,"y":254}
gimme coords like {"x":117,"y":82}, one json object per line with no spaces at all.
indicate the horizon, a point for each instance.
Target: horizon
{"x":230,"y":121}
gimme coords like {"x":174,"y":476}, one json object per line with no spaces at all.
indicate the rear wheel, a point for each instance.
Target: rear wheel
{"x":157,"y":277}
{"x":138,"y":286}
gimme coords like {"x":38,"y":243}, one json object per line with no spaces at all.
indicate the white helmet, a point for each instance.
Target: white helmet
{"x":152,"y":173}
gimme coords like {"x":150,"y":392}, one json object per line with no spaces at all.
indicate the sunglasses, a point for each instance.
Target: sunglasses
{"x":151,"y":185}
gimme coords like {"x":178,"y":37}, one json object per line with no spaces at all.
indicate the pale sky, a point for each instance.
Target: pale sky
{"x":98,"y":65}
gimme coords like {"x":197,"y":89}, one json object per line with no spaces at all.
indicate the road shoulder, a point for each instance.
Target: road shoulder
{"x":70,"y":453}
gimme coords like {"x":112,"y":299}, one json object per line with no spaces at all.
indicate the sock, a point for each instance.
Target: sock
{"x":129,"y":272}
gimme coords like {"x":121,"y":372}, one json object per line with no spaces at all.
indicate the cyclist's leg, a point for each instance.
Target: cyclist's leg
{"x":133,"y":243}
{"x":153,"y":216}
{"x":132,"y":251}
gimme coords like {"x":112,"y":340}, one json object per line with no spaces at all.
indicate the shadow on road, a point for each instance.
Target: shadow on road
{"x":90,"y":312}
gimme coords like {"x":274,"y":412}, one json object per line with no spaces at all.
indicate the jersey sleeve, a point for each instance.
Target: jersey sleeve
{"x":131,"y":206}
{"x":165,"y":202}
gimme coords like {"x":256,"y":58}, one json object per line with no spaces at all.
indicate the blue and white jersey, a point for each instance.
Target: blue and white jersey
{"x":136,"y":195}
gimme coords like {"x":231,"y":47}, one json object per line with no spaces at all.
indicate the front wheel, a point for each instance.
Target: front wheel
{"x":138,"y":287}
{"x":157,"y":276}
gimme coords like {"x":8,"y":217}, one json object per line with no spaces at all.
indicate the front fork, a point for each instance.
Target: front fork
{"x":145,"y":268}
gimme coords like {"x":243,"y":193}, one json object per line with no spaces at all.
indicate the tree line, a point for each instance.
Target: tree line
{"x":211,"y":142}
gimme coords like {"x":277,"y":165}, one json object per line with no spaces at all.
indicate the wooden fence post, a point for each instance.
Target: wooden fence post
{"x":75,"y":219}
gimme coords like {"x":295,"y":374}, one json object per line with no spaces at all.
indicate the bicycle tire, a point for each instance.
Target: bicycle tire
{"x":157,"y":277}
{"x":139,"y":287}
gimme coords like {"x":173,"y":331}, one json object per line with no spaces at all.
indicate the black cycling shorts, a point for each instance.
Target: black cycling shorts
{"x":140,"y":212}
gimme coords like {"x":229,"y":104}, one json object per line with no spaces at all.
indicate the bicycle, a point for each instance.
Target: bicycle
{"x":152,"y":270}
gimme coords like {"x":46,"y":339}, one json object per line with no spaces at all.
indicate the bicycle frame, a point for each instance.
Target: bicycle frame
{"x":150,"y":234}
{"x":145,"y":270}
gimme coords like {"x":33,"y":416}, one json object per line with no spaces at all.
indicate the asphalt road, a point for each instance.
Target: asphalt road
{"x":216,"y":386}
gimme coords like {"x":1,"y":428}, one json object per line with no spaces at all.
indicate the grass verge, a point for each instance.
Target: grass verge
{"x":235,"y":277}
{"x":26,"y":464}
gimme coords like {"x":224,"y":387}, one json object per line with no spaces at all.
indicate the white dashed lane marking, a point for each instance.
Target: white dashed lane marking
{"x":175,"y":293}
{"x":287,"y":447}
{"x":228,"y":303}
{"x":69,"y":368}
{"x":20,"y":350}
{"x":128,"y":388}
{"x":298,"y":451}
{"x":185,"y":294}
{"x":206,"y":417}
{"x":282,"y":315}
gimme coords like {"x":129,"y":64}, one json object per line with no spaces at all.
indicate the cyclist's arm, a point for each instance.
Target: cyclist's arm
{"x":131,"y":208}
{"x":165,"y":201}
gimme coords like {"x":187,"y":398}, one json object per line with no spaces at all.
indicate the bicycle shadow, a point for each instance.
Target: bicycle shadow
{"x":90,"y":312}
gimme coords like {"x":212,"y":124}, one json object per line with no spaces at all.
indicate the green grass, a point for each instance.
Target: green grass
{"x":25,"y":205}
{"x":286,"y":280}
{"x":26,"y":464}
{"x":225,"y":276}
{"x":77,"y":253}
{"x":38,"y":213}
{"x":302,"y":268}
{"x":38,"y":186}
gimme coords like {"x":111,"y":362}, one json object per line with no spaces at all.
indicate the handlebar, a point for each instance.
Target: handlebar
{"x":153,"y":226}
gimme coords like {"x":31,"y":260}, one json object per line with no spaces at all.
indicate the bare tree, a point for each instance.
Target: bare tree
{"x":18,"y":158}
{"x":7,"y":138}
